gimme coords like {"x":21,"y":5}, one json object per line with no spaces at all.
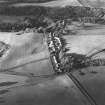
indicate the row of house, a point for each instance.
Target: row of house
{"x":55,"y":46}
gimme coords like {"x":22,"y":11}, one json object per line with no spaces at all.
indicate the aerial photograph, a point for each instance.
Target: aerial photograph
{"x":52,"y":52}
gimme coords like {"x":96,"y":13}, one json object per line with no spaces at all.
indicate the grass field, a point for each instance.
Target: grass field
{"x":86,"y":40}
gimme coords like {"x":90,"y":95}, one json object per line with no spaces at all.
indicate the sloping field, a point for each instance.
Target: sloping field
{"x":21,"y":46}
{"x":87,"y":40}
{"x":54,"y":91}
{"x":82,"y":44}
{"x":51,"y":4}
{"x":28,"y":54}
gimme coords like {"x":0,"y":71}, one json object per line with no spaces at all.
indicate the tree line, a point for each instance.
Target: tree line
{"x":39,"y":13}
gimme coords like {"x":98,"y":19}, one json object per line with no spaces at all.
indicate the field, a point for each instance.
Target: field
{"x":51,"y":3}
{"x":87,"y":40}
{"x":93,"y":81}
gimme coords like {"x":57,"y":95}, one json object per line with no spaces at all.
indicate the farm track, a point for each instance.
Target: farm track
{"x":82,"y":89}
